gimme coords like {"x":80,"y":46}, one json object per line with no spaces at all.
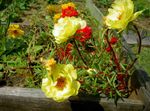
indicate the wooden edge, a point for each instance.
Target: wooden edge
{"x":109,"y":105}
{"x":125,"y":105}
{"x":31,"y":99}
{"x":28,"y":99}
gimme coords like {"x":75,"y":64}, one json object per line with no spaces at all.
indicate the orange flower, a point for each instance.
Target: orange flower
{"x":15,"y":31}
{"x":70,"y":4}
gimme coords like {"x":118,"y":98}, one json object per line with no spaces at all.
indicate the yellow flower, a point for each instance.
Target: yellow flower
{"x":56,"y":17}
{"x":66,"y":28}
{"x":62,"y":83}
{"x":121,"y":13}
{"x":49,"y":63}
{"x":70,"y":4}
{"x":54,"y":8}
{"x":14,"y":31}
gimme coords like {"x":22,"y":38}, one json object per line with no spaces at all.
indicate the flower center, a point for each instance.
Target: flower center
{"x":15,"y":32}
{"x":119,"y":17}
{"x":61,"y":82}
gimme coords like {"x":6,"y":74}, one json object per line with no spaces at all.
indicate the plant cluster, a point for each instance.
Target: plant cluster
{"x":72,"y":56}
{"x":100,"y":61}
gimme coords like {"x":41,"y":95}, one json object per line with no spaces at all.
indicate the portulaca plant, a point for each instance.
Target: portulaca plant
{"x":70,"y":55}
{"x":85,"y":61}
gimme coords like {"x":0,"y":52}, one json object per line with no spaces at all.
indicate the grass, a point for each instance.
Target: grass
{"x":144,"y":59}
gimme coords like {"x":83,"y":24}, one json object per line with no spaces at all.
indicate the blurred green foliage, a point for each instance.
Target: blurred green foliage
{"x":13,"y":8}
{"x":144,"y":59}
{"x":143,"y":4}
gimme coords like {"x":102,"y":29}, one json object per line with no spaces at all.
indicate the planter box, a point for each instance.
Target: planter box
{"x":29,"y":99}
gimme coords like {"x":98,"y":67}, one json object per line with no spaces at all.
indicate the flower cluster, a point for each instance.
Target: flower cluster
{"x":69,"y":24}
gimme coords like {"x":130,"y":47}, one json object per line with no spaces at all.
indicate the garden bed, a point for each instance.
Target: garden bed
{"x":31,"y":99}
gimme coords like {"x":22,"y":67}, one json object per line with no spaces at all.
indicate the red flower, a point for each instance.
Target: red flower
{"x":83,"y":34}
{"x":120,"y":77}
{"x":108,"y":49}
{"x":113,"y":40}
{"x":69,"y":12}
{"x":65,"y":53}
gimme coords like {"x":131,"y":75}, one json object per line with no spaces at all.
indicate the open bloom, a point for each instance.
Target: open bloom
{"x":70,"y":4}
{"x":84,"y":34}
{"x":121,"y":13}
{"x":66,"y":28}
{"x":15,"y":31}
{"x":62,"y":83}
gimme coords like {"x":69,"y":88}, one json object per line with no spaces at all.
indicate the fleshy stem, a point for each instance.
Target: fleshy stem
{"x":139,"y":49}
{"x":114,"y":55}
{"x":79,"y":53}
{"x":140,"y":39}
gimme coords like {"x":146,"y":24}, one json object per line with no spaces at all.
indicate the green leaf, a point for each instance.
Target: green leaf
{"x":36,"y":48}
{"x":1,"y":66}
